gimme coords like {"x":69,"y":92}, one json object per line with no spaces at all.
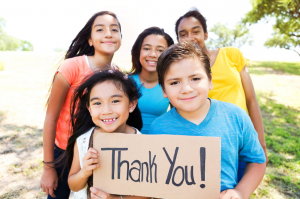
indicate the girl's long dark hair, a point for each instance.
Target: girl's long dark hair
{"x":80,"y":46}
{"x":81,"y":119}
{"x":136,"y":48}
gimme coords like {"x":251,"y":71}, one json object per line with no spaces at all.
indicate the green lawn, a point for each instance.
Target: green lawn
{"x":288,"y":67}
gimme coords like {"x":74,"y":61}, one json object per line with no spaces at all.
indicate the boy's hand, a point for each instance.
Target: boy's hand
{"x":90,"y":162}
{"x":230,"y":194}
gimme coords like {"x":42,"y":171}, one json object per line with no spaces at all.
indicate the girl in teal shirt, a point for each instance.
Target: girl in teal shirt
{"x":145,"y":52}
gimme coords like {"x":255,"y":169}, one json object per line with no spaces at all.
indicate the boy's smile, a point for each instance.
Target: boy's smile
{"x":187,"y":86}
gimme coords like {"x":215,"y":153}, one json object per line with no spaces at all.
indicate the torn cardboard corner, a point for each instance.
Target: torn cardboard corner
{"x":161,"y":166}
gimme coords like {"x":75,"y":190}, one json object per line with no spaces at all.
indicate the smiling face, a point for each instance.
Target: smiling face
{"x":191,"y":29}
{"x":105,"y":35}
{"x":152,"y":47}
{"x":186,"y":84}
{"x":109,"y":107}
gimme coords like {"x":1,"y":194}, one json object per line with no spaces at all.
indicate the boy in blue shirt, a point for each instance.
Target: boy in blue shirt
{"x":185,"y":76}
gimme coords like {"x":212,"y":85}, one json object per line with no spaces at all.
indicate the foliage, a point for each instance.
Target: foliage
{"x":1,"y":67}
{"x":288,"y":67}
{"x":236,"y":37}
{"x":286,"y":29}
{"x":11,"y":43}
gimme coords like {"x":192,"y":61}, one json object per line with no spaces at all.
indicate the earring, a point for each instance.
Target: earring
{"x":130,"y":111}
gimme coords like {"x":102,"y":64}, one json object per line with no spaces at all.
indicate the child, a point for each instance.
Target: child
{"x":145,"y":51}
{"x":106,"y":103}
{"x":185,"y":76}
{"x":91,"y":50}
{"x":232,"y":82}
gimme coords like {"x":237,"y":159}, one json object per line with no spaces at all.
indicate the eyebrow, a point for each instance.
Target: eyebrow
{"x":192,"y":29}
{"x":95,"y":98}
{"x":157,"y":46}
{"x":177,"y":78}
{"x":103,"y":25}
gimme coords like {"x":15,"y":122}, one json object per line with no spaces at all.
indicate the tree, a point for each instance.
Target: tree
{"x":236,"y":37}
{"x":286,"y":28}
{"x":11,"y":43}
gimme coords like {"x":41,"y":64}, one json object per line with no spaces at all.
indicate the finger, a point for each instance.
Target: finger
{"x":98,"y":192}
{"x":93,"y":196}
{"x":43,"y":188}
{"x":47,"y":191}
{"x":93,"y":155}
{"x":222,"y":193}
{"x":92,"y":161}
{"x":92,"y":167}
{"x":51,"y":192}
{"x":93,"y":150}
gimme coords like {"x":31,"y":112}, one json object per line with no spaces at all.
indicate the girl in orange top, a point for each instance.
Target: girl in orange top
{"x":91,"y":50}
{"x":231,"y":80}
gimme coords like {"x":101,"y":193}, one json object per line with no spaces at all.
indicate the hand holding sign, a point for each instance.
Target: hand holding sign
{"x":164,"y":166}
{"x":90,"y":162}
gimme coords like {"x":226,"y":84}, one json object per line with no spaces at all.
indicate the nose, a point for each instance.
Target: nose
{"x":153,"y":53}
{"x":108,"y":34}
{"x":106,"y":109}
{"x":186,"y":88}
{"x":190,"y":37}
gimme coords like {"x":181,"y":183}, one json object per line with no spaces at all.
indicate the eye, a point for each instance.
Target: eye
{"x":183,"y":35}
{"x":115,"y":30}
{"x":174,"y":83}
{"x":161,"y":51}
{"x":196,"y":79}
{"x":196,"y":32}
{"x":97,"y":103}
{"x":146,"y":48}
{"x":98,"y":30}
{"x":115,"y":101}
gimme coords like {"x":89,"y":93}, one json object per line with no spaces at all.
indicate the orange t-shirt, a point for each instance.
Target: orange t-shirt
{"x":75,"y":70}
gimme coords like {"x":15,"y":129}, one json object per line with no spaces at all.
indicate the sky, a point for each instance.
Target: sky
{"x":51,"y":25}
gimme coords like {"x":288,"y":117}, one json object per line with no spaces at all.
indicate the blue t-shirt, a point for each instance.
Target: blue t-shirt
{"x":239,"y":139}
{"x":152,"y":104}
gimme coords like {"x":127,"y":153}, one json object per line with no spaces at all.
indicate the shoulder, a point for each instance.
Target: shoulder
{"x":229,"y":109}
{"x":85,"y":136}
{"x":165,"y":121}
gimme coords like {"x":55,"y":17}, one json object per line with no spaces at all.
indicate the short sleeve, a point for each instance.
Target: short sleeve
{"x":250,"y":149}
{"x":69,"y":70}
{"x":238,"y":58}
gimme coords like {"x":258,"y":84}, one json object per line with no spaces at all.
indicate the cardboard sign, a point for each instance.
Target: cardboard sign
{"x":162,"y":166}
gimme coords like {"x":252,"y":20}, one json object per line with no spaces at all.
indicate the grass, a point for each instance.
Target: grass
{"x":282,"y":133}
{"x":288,"y":67}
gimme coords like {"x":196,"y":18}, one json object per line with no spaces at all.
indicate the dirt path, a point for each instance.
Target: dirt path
{"x":23,"y":86}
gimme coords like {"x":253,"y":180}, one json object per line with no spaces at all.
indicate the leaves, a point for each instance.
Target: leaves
{"x":236,"y":37}
{"x":286,"y":28}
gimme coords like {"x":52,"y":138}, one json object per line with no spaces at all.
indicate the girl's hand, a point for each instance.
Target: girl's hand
{"x":230,"y":194}
{"x":49,"y":181}
{"x":90,"y":162}
{"x":97,"y":194}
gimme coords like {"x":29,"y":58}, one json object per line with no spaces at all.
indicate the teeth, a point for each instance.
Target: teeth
{"x":109,"y":120}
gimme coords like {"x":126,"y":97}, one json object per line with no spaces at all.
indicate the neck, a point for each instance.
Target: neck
{"x":100,"y":61}
{"x":198,"y":115}
{"x":148,"y":77}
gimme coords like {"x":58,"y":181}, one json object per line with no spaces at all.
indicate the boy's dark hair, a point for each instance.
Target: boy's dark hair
{"x":177,"y":52}
{"x":136,"y":48}
{"x":194,"y":12}
{"x":81,"y":119}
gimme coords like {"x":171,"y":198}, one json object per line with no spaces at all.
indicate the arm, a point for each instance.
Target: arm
{"x":253,"y":108}
{"x":97,"y":194}
{"x":254,"y":172}
{"x":58,"y":94}
{"x":78,"y":177}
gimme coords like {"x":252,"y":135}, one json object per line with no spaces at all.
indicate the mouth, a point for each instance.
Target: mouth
{"x":151,"y":63}
{"x":109,"y":120}
{"x":108,"y":42}
{"x":188,"y":99}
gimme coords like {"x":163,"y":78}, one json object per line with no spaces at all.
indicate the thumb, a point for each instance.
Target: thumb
{"x":222,"y":193}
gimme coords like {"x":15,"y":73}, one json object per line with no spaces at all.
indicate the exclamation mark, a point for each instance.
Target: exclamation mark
{"x":202,"y":165}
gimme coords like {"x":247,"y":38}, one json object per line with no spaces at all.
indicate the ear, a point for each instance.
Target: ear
{"x":90,"y":42}
{"x":206,"y":36}
{"x":210,"y":83}
{"x":88,"y":107}
{"x":132,"y":105}
{"x":164,"y":93}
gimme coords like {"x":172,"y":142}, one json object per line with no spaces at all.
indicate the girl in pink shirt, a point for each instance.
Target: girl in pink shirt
{"x":91,"y":50}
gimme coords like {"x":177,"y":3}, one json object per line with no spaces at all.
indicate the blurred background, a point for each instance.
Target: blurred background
{"x":34,"y":35}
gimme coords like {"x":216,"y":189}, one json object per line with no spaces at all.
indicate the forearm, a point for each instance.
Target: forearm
{"x":254,"y":173}
{"x":49,"y":140}
{"x":77,"y":181}
{"x":256,"y":118}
